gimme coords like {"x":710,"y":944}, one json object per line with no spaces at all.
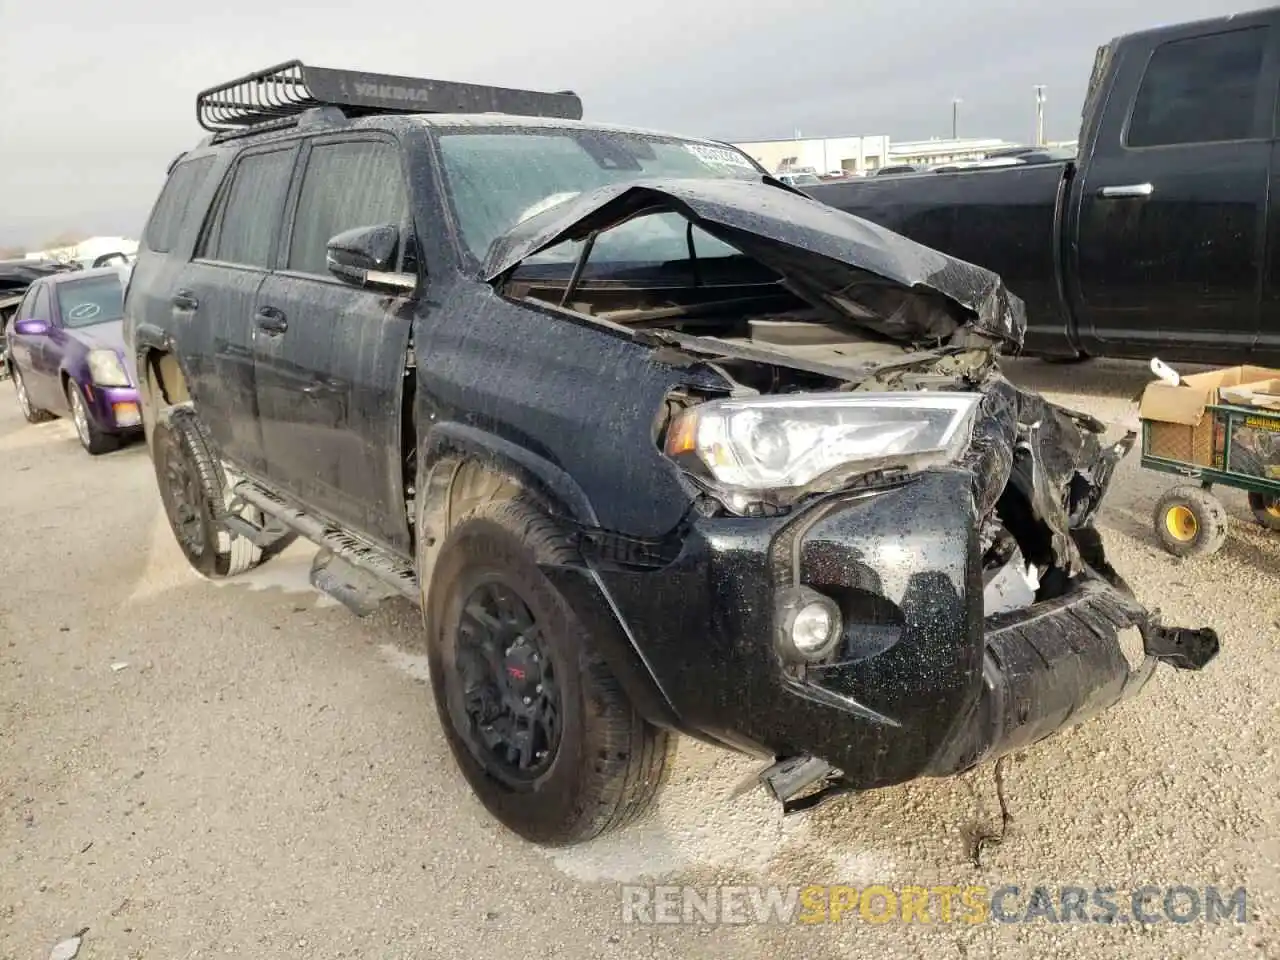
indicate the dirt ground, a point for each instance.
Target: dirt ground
{"x":246,"y":769}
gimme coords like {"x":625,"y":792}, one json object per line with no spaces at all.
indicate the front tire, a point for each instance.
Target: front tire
{"x":193,"y":490}
{"x":535,"y":719}
{"x":94,"y":440}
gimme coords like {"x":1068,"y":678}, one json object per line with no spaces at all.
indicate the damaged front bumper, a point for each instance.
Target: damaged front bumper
{"x":920,"y":682}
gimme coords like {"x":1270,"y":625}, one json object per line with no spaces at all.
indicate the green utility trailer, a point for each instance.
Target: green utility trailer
{"x":1245,"y":454}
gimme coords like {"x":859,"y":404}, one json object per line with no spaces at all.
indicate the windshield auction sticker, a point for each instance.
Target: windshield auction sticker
{"x":718,"y":156}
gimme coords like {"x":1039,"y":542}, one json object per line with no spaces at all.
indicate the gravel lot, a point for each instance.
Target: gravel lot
{"x":266,"y":776}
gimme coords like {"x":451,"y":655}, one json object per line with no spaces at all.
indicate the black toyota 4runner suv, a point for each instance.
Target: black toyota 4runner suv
{"x":660,"y":444}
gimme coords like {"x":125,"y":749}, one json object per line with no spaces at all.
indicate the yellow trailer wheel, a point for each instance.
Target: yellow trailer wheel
{"x":1190,"y":522}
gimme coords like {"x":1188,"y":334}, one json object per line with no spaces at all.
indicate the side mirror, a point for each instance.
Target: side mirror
{"x":365,"y":257}
{"x":30,"y":328}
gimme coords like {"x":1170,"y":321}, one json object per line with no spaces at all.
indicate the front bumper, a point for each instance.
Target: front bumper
{"x":114,"y":409}
{"x":920,"y":684}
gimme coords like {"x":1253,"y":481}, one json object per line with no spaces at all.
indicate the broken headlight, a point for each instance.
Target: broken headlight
{"x":777,"y":448}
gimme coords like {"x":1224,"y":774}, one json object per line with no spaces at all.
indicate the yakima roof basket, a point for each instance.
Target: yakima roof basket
{"x":279,"y":93}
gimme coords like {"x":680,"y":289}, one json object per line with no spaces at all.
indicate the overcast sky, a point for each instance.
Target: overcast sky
{"x":96,"y":99}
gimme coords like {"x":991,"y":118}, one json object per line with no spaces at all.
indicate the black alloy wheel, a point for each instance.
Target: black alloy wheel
{"x":507,"y":684}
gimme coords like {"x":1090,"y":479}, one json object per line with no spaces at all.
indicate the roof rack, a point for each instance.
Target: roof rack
{"x":277,"y":95}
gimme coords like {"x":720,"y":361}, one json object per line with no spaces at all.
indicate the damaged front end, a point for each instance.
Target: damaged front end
{"x":890,"y":567}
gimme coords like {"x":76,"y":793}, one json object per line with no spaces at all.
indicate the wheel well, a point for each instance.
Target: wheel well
{"x":452,"y":488}
{"x":164,"y":374}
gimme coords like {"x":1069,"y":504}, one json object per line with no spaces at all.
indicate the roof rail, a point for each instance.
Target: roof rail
{"x":286,"y":90}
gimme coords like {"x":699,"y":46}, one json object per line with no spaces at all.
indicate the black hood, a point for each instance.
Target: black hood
{"x":873,"y":276}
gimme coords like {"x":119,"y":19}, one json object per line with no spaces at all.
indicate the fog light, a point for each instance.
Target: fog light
{"x":809,"y":625}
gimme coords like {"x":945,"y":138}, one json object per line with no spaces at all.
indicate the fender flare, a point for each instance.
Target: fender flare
{"x":566,"y":503}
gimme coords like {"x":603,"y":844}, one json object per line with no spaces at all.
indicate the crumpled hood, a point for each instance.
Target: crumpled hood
{"x":108,"y":335}
{"x":877,"y":278}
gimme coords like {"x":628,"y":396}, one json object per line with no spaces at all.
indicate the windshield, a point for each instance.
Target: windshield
{"x":496,"y":179}
{"x":82,"y":303}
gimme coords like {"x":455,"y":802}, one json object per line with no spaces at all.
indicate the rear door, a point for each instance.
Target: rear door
{"x":216,"y":296}
{"x":329,"y":357}
{"x":166,"y":249}
{"x":1171,"y":219}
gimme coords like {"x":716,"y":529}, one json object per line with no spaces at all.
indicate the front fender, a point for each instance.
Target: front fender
{"x":565,"y":502}
{"x":537,"y":474}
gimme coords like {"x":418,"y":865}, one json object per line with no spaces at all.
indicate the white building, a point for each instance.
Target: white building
{"x":851,"y":155}
{"x":935,"y":150}
{"x":861,"y":155}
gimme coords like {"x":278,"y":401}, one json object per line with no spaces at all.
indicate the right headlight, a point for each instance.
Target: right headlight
{"x":774,"y":449}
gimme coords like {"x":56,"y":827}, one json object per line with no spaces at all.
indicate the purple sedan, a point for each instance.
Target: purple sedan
{"x":66,"y":356}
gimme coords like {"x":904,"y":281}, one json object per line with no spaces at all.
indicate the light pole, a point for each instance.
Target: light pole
{"x":1039,"y":114}
{"x":955,"y":117}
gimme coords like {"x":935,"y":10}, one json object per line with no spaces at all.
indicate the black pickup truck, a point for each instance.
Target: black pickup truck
{"x":1162,"y":237}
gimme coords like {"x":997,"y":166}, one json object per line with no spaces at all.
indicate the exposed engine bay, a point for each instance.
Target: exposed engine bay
{"x":1040,"y":470}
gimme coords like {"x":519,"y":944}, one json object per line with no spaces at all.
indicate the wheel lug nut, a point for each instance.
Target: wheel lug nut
{"x":538,"y":688}
{"x":528,"y":700}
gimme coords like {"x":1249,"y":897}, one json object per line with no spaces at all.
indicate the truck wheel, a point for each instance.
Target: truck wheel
{"x":192,"y":488}
{"x":1266,"y":509}
{"x":535,"y":719}
{"x":30,"y":413}
{"x":95,"y":441}
{"x":1190,"y":522}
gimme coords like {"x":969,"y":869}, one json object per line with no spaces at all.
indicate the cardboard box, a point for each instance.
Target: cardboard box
{"x":1261,"y":393}
{"x":1175,"y":419}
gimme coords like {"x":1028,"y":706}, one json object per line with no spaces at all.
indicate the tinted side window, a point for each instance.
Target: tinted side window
{"x":26,"y":306}
{"x":1199,"y":90}
{"x":174,"y":204}
{"x":244,"y":228}
{"x":40,"y":309}
{"x":346,"y":185}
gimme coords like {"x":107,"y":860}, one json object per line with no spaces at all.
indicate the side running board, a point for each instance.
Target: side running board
{"x":374,"y":573}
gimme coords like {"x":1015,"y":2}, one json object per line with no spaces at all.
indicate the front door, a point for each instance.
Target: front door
{"x":1172,"y":207}
{"x":36,"y":355}
{"x":329,"y":357}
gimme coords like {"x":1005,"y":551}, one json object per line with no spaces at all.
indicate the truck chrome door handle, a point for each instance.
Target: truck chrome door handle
{"x":185,"y":300}
{"x":1127,"y":190}
{"x":272,"y":321}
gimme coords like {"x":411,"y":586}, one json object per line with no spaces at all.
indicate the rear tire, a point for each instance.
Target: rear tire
{"x":193,"y":490}
{"x":1266,"y":509}
{"x":30,"y":413}
{"x":599,"y":765}
{"x":1190,"y":522}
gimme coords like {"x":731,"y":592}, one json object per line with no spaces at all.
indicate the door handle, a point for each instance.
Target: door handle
{"x":272,"y":321}
{"x":1126,"y":190}
{"x":185,"y":300}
